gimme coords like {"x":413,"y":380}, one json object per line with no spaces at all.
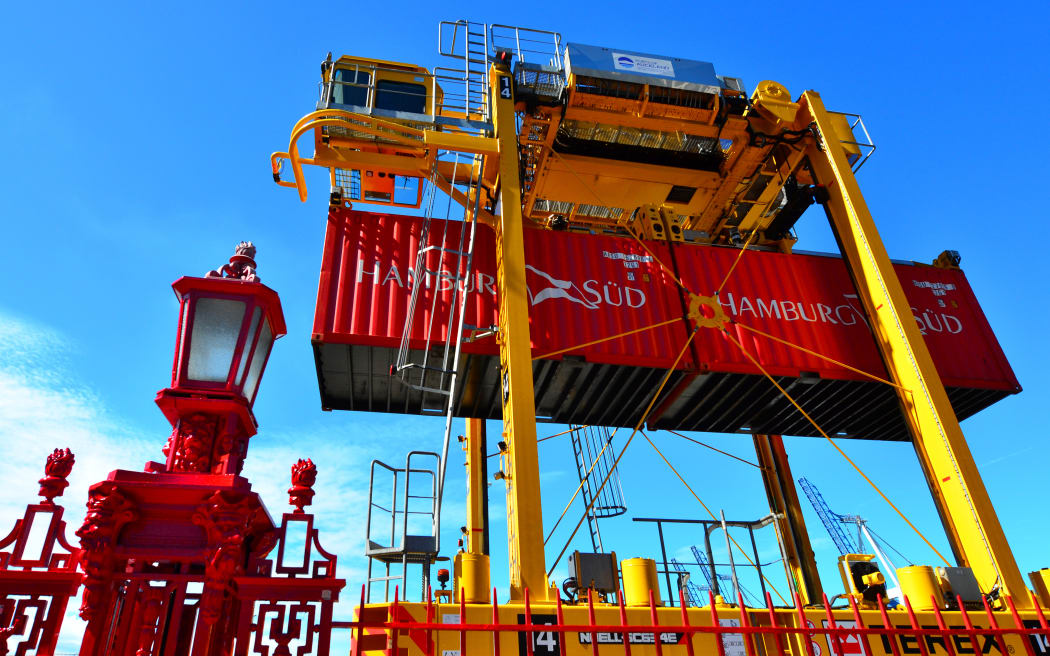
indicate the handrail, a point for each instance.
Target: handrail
{"x":322,"y":118}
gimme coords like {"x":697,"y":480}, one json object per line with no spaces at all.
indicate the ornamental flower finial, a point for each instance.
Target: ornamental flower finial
{"x":304,"y":475}
{"x":241,"y":266}
{"x":58,"y":466}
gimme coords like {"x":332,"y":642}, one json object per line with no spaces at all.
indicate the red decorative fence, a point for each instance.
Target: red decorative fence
{"x":38,"y":576}
{"x":763,"y":632}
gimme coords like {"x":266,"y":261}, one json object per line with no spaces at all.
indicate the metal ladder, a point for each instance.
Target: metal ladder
{"x":434,"y":371}
{"x":468,"y":42}
{"x":593,"y":465}
{"x":399,"y":546}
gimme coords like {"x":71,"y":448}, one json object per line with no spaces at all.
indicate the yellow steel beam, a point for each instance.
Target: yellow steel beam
{"x":791,"y":527}
{"x":462,"y":143}
{"x":521,"y":461}
{"x":476,"y":486}
{"x":343,"y":158}
{"x":970,"y":521}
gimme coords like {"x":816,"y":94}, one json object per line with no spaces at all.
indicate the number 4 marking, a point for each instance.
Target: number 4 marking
{"x":546,"y":640}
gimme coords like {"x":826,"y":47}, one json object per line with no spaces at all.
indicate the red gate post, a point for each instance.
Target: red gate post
{"x":293,"y":590}
{"x":35,"y":587}
{"x":162,"y":547}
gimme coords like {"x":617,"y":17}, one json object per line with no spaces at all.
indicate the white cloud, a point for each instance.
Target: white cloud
{"x":43,"y":407}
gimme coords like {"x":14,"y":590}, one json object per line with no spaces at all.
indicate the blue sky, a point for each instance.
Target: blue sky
{"x":136,"y":141}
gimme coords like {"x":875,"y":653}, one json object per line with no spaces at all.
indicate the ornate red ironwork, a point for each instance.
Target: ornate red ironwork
{"x":35,"y":588}
{"x":162,"y":548}
{"x":58,"y":467}
{"x":290,"y":598}
{"x":304,"y":475}
{"x":241,"y":266}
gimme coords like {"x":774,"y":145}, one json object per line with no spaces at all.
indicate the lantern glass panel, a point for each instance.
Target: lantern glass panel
{"x":256,"y":315}
{"x":216,"y":326}
{"x":182,"y":339}
{"x":258,"y":360}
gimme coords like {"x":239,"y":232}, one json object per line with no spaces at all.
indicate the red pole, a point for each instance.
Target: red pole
{"x":968,"y":622}
{"x":944,"y":629}
{"x":530,"y":636}
{"x":773,"y":622}
{"x":495,"y":622}
{"x":359,"y":623}
{"x":745,"y":623}
{"x":656,"y":623}
{"x":590,"y":621}
{"x":623,"y":623}
{"x":396,"y":619}
{"x":807,"y":636}
{"x":861,"y":637}
{"x":561,"y":623}
{"x":462,"y":622}
{"x":994,"y":625}
{"x":685,"y":622}
{"x":833,"y":633}
{"x":1020,"y":625}
{"x":891,"y":636}
{"x":915,"y":625}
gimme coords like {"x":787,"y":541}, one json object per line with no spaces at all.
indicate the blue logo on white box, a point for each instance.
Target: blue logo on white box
{"x":641,"y":64}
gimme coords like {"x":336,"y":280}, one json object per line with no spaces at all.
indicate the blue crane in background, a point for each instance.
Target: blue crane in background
{"x":693,"y":592}
{"x":725,"y":581}
{"x":831,"y":519}
{"x":834,"y":522}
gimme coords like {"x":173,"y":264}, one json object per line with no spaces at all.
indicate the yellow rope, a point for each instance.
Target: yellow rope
{"x":817,"y":355}
{"x":731,"y":539}
{"x":583,"y":479}
{"x":686,"y":437}
{"x":736,"y":261}
{"x":566,"y":432}
{"x":837,"y":448}
{"x":606,"y":339}
{"x":641,"y":420}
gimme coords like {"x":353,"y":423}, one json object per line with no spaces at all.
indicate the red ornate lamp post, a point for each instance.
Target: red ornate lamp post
{"x":227,"y":324}
{"x":175,"y":536}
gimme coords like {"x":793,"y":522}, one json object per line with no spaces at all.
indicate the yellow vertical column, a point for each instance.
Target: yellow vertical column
{"x":791,"y":527}
{"x":472,"y":565}
{"x":521,"y":462}
{"x":476,"y":483}
{"x":961,"y":498}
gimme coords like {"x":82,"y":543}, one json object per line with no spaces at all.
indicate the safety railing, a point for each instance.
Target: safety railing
{"x":766,"y":631}
{"x":528,"y":45}
{"x":865,"y":146}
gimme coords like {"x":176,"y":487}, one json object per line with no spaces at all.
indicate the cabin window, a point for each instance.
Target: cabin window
{"x":351,"y":87}
{"x":401,"y":96}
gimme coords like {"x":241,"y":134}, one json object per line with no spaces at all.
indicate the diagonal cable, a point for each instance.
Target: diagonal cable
{"x":731,"y":539}
{"x":816,"y":355}
{"x":834,"y":444}
{"x":641,"y":420}
{"x":725,"y":453}
{"x":659,"y":324}
{"x":549,"y":437}
{"x":739,"y":255}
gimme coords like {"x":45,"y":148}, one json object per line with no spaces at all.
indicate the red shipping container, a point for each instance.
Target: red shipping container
{"x":584,"y":288}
